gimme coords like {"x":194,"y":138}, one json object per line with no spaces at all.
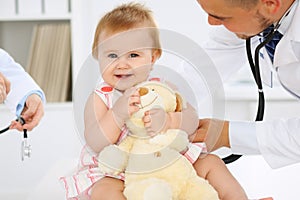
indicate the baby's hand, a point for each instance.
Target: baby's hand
{"x":126,"y":105}
{"x":155,"y":121}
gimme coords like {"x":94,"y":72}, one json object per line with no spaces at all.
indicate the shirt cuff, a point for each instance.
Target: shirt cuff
{"x":242,"y":138}
{"x":21,"y":104}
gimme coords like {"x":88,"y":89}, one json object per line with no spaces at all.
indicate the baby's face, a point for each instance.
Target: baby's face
{"x":126,"y":58}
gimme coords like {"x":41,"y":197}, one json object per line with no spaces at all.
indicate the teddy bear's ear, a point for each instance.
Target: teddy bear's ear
{"x":179,"y":103}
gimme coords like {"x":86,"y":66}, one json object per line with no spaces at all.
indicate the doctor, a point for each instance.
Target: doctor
{"x":20,"y":93}
{"x":278,"y":141}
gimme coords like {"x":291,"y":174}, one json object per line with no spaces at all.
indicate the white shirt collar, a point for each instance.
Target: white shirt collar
{"x":287,"y":20}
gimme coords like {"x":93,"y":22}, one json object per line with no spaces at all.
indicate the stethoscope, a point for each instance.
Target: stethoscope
{"x":254,"y":65}
{"x":25,"y":146}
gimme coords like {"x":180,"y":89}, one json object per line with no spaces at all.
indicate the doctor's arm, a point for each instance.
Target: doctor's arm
{"x":25,"y":98}
{"x":277,"y":141}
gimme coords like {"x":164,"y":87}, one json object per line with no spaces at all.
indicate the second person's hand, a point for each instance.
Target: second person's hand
{"x":214,"y":132}
{"x":32,"y":113}
{"x":4,"y":87}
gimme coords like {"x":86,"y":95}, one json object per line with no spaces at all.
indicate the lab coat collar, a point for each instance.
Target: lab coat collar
{"x":288,"y":18}
{"x":290,"y":43}
{"x":294,"y":29}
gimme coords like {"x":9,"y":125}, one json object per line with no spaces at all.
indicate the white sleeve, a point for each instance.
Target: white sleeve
{"x":242,"y":138}
{"x":279,"y":141}
{"x":21,"y":81}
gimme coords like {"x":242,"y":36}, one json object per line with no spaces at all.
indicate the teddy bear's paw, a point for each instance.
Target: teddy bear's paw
{"x":148,"y":189}
{"x":112,"y":159}
{"x":158,"y":190}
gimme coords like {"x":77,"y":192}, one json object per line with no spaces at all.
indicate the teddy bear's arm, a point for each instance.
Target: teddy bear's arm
{"x":113,"y":158}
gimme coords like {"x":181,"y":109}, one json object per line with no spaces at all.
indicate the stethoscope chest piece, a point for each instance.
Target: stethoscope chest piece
{"x":25,"y":149}
{"x":25,"y":146}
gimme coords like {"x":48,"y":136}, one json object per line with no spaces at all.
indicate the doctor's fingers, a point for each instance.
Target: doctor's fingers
{"x":213,"y":132}
{"x":217,"y":134}
{"x":33,"y":111}
{"x":201,"y":132}
{"x":2,"y":95}
{"x":33,"y":120}
{"x":4,"y":89}
{"x":5,"y":83}
{"x":33,"y":103}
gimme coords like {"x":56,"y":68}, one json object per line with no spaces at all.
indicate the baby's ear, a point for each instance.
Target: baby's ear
{"x":179,"y":103}
{"x":155,"y":55}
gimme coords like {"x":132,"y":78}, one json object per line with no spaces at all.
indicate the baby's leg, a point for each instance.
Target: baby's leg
{"x":213,"y":169}
{"x":108,"y":188}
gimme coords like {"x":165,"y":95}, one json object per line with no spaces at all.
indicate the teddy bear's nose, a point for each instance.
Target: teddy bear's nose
{"x":143,"y":91}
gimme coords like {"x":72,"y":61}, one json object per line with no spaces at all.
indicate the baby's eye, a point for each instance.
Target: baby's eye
{"x":112,"y":55}
{"x":133,"y":55}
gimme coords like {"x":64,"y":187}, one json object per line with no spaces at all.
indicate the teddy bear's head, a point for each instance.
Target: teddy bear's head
{"x":153,"y":94}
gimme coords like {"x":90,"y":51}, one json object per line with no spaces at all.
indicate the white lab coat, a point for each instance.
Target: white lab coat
{"x":21,"y":81}
{"x":278,"y":141}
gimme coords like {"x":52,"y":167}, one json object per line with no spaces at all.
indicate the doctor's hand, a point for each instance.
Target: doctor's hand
{"x":32,"y":113}
{"x":214,"y":132}
{"x":4,"y":87}
{"x":189,"y":119}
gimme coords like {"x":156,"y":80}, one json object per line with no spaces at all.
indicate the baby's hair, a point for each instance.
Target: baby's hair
{"x":124,"y":17}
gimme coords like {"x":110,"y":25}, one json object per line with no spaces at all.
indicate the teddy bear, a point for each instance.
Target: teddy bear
{"x":153,"y":167}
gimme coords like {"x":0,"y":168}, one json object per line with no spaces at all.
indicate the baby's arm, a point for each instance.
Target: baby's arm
{"x":103,"y":125}
{"x":213,"y":169}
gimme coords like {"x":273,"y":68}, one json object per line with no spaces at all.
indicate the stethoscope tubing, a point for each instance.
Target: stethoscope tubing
{"x":19,"y":119}
{"x":4,"y":130}
{"x":255,"y":68}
